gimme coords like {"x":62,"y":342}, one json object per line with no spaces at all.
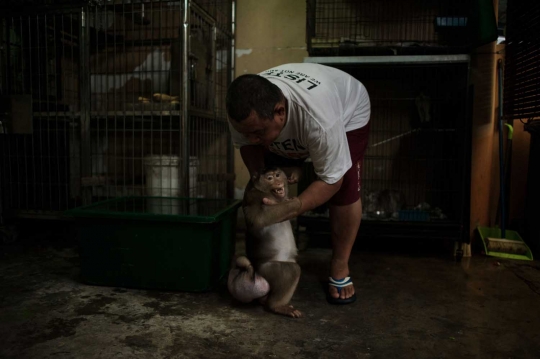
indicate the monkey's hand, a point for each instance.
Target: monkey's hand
{"x":293,"y":174}
{"x":292,"y":179}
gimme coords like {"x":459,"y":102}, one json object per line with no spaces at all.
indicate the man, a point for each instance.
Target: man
{"x":295,"y":111}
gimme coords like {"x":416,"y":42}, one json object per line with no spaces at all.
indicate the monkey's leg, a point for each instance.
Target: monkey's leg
{"x":283,"y":278}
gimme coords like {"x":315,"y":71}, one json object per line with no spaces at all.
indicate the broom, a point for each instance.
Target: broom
{"x":502,"y":242}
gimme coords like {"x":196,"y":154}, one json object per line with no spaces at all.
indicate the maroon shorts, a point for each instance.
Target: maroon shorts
{"x":350,"y":188}
{"x":352,"y":180}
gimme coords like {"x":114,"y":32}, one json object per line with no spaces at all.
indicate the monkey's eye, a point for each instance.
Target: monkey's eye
{"x":269,"y":178}
{"x":277,"y":175}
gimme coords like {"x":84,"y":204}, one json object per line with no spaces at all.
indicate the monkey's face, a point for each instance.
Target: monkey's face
{"x":273,"y":181}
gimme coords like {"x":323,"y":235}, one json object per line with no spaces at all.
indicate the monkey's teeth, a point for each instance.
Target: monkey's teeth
{"x":279,"y":191}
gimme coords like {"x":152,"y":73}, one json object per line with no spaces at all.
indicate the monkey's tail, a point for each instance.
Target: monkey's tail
{"x":244,"y":284}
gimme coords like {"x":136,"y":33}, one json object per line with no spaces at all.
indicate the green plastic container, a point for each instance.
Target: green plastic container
{"x":156,"y":243}
{"x":490,"y":232}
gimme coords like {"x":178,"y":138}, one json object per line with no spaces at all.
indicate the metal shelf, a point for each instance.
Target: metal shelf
{"x":381,"y":60}
{"x":53,"y":116}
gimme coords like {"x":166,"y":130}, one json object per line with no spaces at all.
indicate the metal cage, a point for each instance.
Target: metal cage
{"x":116,"y":98}
{"x":416,"y":170}
{"x":389,"y":27}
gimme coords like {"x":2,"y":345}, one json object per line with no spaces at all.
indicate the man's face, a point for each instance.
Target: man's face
{"x":260,"y":131}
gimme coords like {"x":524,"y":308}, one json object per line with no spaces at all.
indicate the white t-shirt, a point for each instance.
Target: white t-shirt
{"x":323,"y":104}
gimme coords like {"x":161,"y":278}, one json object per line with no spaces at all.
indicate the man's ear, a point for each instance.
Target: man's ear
{"x":279,"y":109}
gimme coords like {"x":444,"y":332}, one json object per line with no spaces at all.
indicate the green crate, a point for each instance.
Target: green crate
{"x":511,"y":236}
{"x":156,"y":243}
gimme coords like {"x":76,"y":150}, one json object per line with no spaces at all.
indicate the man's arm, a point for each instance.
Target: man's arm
{"x":253,"y":157}
{"x":317,"y":193}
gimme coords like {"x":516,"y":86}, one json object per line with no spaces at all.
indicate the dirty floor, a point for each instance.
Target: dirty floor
{"x":409,"y":306}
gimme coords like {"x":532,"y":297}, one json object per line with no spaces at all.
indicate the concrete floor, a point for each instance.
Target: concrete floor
{"x":409,"y":306}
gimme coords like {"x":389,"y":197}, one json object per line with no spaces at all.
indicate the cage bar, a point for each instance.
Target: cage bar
{"x":416,"y":174}
{"x":118,"y":89}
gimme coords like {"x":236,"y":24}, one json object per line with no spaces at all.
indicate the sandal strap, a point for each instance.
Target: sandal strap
{"x":340,"y":283}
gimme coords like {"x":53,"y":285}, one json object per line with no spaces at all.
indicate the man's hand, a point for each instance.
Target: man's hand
{"x":286,"y":210}
{"x":269,"y":202}
{"x":315,"y":195}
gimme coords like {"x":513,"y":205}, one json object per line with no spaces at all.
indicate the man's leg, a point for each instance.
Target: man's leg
{"x":346,"y":213}
{"x":344,"y":221}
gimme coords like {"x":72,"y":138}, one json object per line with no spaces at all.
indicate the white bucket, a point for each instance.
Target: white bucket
{"x":162,"y":180}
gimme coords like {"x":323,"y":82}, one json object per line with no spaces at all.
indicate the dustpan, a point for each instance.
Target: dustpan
{"x":501,"y":242}
{"x":510,"y":246}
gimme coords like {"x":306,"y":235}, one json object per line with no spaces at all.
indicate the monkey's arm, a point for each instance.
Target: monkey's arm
{"x":259,"y":216}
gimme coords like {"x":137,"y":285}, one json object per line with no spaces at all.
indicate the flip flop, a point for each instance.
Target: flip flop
{"x":339,"y":283}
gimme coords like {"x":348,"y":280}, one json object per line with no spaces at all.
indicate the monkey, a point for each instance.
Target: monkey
{"x":271,"y":273}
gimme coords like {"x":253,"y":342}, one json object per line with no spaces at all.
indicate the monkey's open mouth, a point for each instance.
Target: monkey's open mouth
{"x":279,"y":192}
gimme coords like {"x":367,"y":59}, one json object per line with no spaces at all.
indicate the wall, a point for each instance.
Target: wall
{"x":483,"y":78}
{"x":268,"y":34}
{"x":485,"y":145}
